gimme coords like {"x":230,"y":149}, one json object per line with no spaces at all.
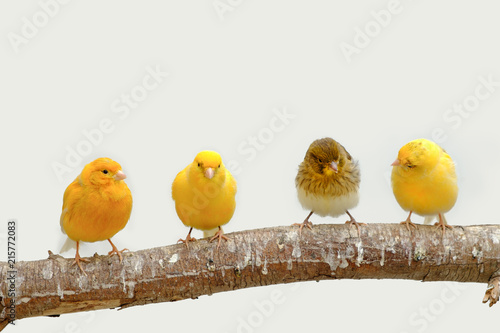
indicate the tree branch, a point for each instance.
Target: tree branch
{"x":254,"y":258}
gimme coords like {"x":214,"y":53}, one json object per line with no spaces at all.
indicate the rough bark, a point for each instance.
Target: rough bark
{"x":255,"y":258}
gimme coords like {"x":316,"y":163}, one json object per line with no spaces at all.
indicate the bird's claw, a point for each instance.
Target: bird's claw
{"x":443,"y":225}
{"x":493,"y":292}
{"x":306,"y":223}
{"x":409,"y":224}
{"x":117,"y":252}
{"x":357,"y":224}
{"x":187,"y":240}
{"x":77,"y":261}
{"x":220,"y":235}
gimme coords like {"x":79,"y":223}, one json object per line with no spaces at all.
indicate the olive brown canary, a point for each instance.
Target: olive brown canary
{"x":328,"y":181}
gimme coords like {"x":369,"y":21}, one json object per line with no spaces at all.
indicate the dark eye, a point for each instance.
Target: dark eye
{"x":105,"y":171}
{"x":411,"y":166}
{"x":219,"y":166}
{"x":199,"y":164}
{"x":320,"y":160}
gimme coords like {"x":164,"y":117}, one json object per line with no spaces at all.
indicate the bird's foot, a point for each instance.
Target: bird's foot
{"x":443,"y":225}
{"x":77,"y":261}
{"x":493,"y":292}
{"x":356,"y":223}
{"x":219,"y":234}
{"x":306,"y":223}
{"x":409,"y":224}
{"x":188,"y":238}
{"x":116,"y":251}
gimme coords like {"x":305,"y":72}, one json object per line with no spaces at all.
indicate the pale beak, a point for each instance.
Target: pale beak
{"x":209,"y":173}
{"x":334,"y":167}
{"x":396,"y":162}
{"x":120,"y":175}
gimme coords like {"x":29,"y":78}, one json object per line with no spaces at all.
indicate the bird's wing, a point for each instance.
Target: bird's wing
{"x":180,"y":178}
{"x":231,"y":182}
{"x":61,"y":219}
{"x":72,"y":192}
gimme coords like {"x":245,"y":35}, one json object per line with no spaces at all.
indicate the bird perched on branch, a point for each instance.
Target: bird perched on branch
{"x":204,"y":194}
{"x":424,"y":181}
{"x":96,"y":205}
{"x":328,"y":181}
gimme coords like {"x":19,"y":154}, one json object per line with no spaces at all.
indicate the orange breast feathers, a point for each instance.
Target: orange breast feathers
{"x":97,"y":204}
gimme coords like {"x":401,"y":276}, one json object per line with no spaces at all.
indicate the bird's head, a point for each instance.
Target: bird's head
{"x":101,"y":172}
{"x":327,"y":157}
{"x":417,"y":156}
{"x":209,"y":164}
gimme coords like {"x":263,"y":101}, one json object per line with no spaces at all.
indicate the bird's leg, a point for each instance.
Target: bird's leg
{"x":78,"y":258}
{"x":188,"y":238}
{"x":115,"y":250}
{"x":220,"y":235}
{"x":409,"y":223}
{"x":306,"y":223}
{"x":356,"y":223}
{"x":442,"y":223}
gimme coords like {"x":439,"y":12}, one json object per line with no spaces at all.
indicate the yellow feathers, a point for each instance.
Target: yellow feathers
{"x":204,"y":194}
{"x":96,"y":205}
{"x":328,"y":181}
{"x":424,"y":180}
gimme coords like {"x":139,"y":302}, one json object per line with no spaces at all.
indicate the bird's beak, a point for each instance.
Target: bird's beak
{"x":209,"y":173}
{"x":334,"y":167}
{"x":120,"y":175}
{"x":396,"y":162}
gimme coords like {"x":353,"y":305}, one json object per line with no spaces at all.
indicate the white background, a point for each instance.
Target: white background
{"x":229,"y":71}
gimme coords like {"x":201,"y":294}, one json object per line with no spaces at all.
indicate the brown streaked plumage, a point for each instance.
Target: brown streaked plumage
{"x":328,"y":181}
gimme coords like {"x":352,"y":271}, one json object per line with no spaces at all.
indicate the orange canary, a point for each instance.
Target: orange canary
{"x":424,"y":181}
{"x":204,"y":194}
{"x":96,"y":205}
{"x":328,"y":181}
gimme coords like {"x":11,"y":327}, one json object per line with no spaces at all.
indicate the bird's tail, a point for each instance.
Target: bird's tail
{"x":68,"y":245}
{"x":428,"y":219}
{"x":211,"y":232}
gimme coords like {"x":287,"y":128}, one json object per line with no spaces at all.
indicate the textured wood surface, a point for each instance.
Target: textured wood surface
{"x":253,"y":258}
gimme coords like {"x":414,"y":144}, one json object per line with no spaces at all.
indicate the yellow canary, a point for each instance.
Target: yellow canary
{"x":424,"y":181}
{"x":204,"y":194}
{"x":328,"y":181}
{"x":96,"y":205}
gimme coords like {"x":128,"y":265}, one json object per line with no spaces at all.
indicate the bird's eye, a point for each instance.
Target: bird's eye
{"x":320,"y":160}
{"x":411,"y":166}
{"x":219,"y":166}
{"x":105,"y":171}
{"x":199,"y":164}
